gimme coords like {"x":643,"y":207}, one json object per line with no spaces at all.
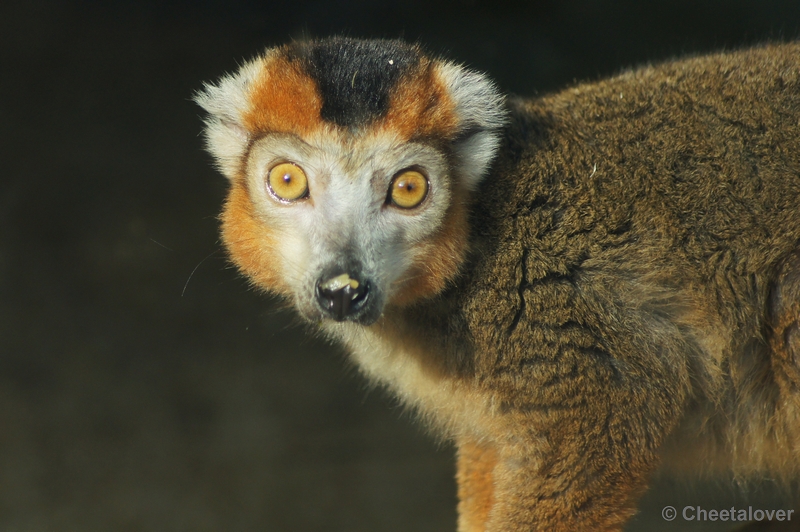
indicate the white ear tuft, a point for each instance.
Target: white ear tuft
{"x":482,"y":114}
{"x":475,"y":154}
{"x":226,"y":103}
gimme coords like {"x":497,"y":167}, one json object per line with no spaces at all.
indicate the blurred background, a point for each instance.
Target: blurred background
{"x":143,"y":385}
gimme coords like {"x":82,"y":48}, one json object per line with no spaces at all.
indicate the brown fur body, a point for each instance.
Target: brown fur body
{"x":627,"y":246}
{"x":630,"y":297}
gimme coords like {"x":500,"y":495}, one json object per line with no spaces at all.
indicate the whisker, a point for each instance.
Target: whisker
{"x":154,"y":241}
{"x":195,"y":269}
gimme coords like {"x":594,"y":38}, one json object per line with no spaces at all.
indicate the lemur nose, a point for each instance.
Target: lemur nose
{"x":341,"y":296}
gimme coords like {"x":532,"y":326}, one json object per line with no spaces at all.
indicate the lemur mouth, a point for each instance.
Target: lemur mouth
{"x":342,"y":297}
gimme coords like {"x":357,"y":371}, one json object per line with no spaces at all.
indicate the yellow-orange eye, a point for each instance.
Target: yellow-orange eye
{"x":408,"y":189}
{"x":287,"y":182}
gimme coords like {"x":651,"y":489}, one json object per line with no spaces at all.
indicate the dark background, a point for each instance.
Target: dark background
{"x":143,"y":386}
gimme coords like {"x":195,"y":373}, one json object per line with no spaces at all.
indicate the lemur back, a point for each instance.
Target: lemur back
{"x":576,"y":288}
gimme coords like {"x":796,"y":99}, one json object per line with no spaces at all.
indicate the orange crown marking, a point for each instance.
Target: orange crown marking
{"x":421,"y":106}
{"x":283,"y":99}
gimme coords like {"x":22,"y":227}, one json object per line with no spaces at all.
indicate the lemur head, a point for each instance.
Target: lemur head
{"x":350,"y":164}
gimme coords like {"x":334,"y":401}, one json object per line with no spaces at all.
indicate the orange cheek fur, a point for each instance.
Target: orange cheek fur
{"x":251,"y":244}
{"x":439,"y":258}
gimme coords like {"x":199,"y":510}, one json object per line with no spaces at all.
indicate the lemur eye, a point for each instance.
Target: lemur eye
{"x":287,"y":182}
{"x":408,"y":189}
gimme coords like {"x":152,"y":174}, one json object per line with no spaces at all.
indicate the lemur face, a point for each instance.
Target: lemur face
{"x":350,"y":163}
{"x":346,"y":215}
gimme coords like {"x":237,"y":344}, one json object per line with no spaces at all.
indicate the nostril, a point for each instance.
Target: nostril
{"x":341,"y":296}
{"x":360,"y":293}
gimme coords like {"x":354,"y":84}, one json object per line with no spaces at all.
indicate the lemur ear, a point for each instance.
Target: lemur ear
{"x":226,"y":102}
{"x":481,"y":111}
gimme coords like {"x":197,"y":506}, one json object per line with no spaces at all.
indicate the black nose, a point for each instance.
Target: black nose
{"x":342,"y":296}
